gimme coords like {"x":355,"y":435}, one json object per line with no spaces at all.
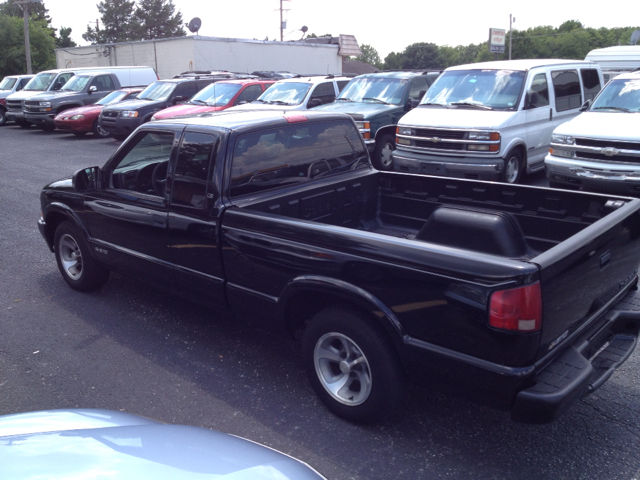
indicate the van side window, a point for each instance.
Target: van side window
{"x":192,"y":170}
{"x":566,"y":86}
{"x":590,"y":82}
{"x":418,"y":88}
{"x":298,"y":153}
{"x":539,"y":92}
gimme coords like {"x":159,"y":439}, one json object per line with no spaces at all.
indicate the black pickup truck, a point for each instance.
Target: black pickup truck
{"x":520,"y":297}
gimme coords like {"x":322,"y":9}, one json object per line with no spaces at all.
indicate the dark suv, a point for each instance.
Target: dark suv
{"x":377,"y":101}
{"x":123,"y":118}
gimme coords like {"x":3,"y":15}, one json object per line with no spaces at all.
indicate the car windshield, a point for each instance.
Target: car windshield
{"x":77,"y":83}
{"x":375,"y":90}
{"x":40,"y":82}
{"x":157,"y":91}
{"x":286,"y":93}
{"x":7,"y":83}
{"x":619,"y":95}
{"x":114,"y":97}
{"x":498,"y":89}
{"x":216,"y":94}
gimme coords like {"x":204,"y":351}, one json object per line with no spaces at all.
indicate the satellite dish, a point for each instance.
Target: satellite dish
{"x":635,"y":36}
{"x":304,"y":29}
{"x":194,"y":25}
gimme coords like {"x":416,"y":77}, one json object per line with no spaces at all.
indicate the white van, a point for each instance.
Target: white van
{"x":615,"y":60}
{"x":53,"y":80}
{"x":493,"y":120}
{"x":600,"y":148}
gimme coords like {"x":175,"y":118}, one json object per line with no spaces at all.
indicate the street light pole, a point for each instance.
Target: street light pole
{"x":511,"y":20}
{"x":24,"y":4}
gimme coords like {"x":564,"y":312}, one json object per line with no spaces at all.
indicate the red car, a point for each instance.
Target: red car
{"x":218,"y":96}
{"x":84,"y":119}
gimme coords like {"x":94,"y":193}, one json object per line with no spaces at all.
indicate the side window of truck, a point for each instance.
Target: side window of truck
{"x":590,"y":82}
{"x":566,"y":86}
{"x":191,"y":177}
{"x":418,"y":88}
{"x":324,"y":92}
{"x":103,"y":83}
{"x":249,"y":94}
{"x":61,"y":80}
{"x":539,"y":91}
{"x":295,"y":154}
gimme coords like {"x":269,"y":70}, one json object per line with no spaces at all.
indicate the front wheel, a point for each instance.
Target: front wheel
{"x":385,"y":145}
{"x":352,"y":365}
{"x":513,"y":167}
{"x":3,"y":116}
{"x":79,"y":269}
{"x":23,"y":123}
{"x":98,"y":131}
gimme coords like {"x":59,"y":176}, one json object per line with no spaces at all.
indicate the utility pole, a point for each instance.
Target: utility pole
{"x":24,"y":4}
{"x":512,"y":20}
{"x":281,"y":19}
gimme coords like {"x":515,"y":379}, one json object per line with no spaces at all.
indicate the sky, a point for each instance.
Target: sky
{"x":388,"y":26}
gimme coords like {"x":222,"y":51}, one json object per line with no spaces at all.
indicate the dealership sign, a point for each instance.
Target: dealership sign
{"x":497,"y":37}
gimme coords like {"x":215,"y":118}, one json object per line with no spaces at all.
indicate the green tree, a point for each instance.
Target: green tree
{"x":12,"y":55}
{"x":117,"y":23}
{"x":313,"y":35}
{"x":36,"y":10}
{"x":422,"y":56}
{"x":64,"y":41}
{"x":369,"y":55}
{"x":393,"y":61}
{"x":157,"y":19}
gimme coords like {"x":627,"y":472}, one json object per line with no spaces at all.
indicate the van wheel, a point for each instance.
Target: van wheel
{"x":79,"y":269}
{"x":3,"y":116}
{"x":352,"y":365}
{"x":512,"y":172}
{"x":98,"y":131}
{"x":385,"y":146}
{"x":23,"y":123}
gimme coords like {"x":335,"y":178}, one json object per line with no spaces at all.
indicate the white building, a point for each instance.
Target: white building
{"x":171,"y":56}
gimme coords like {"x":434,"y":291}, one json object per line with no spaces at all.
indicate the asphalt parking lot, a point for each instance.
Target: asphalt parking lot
{"x":128,"y":347}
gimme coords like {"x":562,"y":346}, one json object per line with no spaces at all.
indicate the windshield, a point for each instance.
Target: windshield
{"x":288,"y":93}
{"x":375,"y":90}
{"x":157,"y":91}
{"x":7,"y":83}
{"x":115,"y":97}
{"x":76,"y":84}
{"x":619,"y":95}
{"x":40,"y":82}
{"x":483,"y":88}
{"x":216,"y":94}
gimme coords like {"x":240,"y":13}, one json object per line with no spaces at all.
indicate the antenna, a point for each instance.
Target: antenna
{"x":635,"y":36}
{"x":194,"y":25}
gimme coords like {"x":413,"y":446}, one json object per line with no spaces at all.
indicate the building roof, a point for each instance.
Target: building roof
{"x":357,"y":67}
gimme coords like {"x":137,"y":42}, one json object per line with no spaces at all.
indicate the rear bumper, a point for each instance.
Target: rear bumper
{"x":582,"y":367}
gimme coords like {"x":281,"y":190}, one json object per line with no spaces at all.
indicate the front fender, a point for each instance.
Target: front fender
{"x":54,"y":214}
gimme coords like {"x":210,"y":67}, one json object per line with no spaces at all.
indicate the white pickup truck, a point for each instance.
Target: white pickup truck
{"x":599,"y":150}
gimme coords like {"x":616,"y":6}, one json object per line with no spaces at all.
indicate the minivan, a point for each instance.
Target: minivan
{"x":493,"y":120}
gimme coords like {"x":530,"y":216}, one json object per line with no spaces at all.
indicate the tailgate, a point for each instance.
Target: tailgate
{"x":583,"y":276}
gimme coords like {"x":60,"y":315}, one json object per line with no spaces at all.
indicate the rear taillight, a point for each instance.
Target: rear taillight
{"x":517,"y":309}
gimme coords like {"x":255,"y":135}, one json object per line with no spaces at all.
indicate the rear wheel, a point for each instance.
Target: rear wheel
{"x":352,"y":365}
{"x":98,"y":131}
{"x":78,"y":268}
{"x":385,"y":145}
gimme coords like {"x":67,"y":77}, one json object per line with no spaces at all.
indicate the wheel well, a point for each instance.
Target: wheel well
{"x":52,"y":221}
{"x":523,"y":152}
{"x":391,"y":130}
{"x":303,"y":306}
{"x":2,"y":107}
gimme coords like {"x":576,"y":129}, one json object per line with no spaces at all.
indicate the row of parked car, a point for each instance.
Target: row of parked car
{"x":491,"y":121}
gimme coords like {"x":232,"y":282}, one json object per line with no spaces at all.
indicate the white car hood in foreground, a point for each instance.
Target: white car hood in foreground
{"x":458,"y":117}
{"x":81,"y":444}
{"x":604,"y":125}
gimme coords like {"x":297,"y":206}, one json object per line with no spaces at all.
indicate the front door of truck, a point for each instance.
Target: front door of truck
{"x":193,"y":219}
{"x":127,"y":217}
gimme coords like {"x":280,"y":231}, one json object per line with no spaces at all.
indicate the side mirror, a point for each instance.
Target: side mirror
{"x":93,"y":89}
{"x":57,"y":86}
{"x":179,"y":99}
{"x":242,"y":102}
{"x":585,"y":106}
{"x":531,"y":100}
{"x":314,"y":102}
{"x":86,"y":179}
{"x":409,"y":105}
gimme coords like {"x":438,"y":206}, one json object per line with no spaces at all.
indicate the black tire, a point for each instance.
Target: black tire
{"x":98,"y":131}
{"x":79,"y":134}
{"x":78,"y":268}
{"x":23,"y":123}
{"x":374,"y":386}
{"x":3,"y":116}
{"x":47,"y":128}
{"x":513,"y":168}
{"x":381,"y":158}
